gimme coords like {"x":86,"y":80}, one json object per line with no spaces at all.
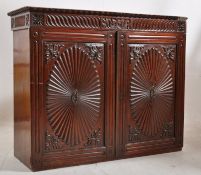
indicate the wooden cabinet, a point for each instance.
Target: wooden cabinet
{"x":95,"y":86}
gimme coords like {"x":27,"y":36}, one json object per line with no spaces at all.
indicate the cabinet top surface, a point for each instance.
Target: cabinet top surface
{"x":89,"y":12}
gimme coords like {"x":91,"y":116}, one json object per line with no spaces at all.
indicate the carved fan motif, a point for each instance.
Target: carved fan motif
{"x":73,"y":96}
{"x":151,"y":92}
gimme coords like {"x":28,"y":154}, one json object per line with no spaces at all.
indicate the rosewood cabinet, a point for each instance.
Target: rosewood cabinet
{"x":95,"y":86}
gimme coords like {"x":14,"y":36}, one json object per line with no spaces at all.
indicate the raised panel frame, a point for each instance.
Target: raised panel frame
{"x":152,"y":146}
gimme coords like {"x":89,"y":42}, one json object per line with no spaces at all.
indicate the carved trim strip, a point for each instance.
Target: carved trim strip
{"x":114,"y":23}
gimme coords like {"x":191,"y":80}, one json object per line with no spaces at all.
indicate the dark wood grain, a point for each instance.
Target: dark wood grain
{"x":22,"y":97}
{"x":96,"y":86}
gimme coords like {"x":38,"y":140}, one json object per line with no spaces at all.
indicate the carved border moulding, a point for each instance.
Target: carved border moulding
{"x":95,"y":138}
{"x":95,"y":51}
{"x":51,"y":142}
{"x":169,"y":51}
{"x":53,"y":50}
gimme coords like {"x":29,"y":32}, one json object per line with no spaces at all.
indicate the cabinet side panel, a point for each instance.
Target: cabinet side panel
{"x":22,"y":110}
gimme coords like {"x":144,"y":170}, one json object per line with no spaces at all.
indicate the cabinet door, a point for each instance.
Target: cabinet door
{"x":150,"y":83}
{"x":76,"y":97}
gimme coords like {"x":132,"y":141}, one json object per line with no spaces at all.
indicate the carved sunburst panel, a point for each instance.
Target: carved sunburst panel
{"x":74,"y":95}
{"x":152,"y":90}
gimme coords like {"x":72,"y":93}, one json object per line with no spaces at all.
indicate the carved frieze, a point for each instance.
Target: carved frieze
{"x":89,"y":21}
{"x":115,"y":23}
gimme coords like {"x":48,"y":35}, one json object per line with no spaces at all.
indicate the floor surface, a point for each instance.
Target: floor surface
{"x":185,"y":162}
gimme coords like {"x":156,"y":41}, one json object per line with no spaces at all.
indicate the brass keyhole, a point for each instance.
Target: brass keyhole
{"x":152,"y":92}
{"x":74,"y":96}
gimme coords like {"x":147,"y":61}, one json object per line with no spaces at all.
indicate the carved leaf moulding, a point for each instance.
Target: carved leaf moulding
{"x":105,"y":22}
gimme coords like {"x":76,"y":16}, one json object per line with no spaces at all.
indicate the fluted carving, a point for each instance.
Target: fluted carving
{"x":73,"y":96}
{"x":151,"y":92}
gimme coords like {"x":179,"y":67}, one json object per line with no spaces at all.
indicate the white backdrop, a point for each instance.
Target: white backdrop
{"x":188,"y":8}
